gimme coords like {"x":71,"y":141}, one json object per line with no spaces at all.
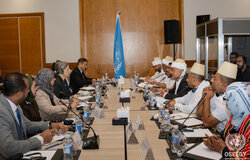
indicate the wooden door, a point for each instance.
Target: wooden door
{"x":22,"y":46}
{"x":9,"y":46}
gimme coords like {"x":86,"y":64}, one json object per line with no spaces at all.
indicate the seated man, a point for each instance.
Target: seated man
{"x":238,"y":103}
{"x":195,"y":81}
{"x":159,"y":73}
{"x":213,"y":110}
{"x":78,"y":78}
{"x":233,"y":56}
{"x":180,"y":88}
{"x":15,"y":126}
{"x":168,"y":82}
{"x":243,"y":70}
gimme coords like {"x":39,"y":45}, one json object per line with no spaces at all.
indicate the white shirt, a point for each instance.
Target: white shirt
{"x":169,"y":82}
{"x":190,"y":100}
{"x":158,"y":76}
{"x":219,"y":110}
{"x":14,"y":108}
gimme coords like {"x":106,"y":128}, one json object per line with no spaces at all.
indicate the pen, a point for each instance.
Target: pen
{"x":53,"y":146}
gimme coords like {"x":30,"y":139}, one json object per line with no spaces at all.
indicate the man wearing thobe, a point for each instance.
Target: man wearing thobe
{"x":180,"y":88}
{"x":168,"y":82}
{"x":159,"y":73}
{"x":213,"y":110}
{"x":195,"y":81}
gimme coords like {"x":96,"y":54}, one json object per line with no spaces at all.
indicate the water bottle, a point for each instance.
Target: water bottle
{"x":137,"y":79}
{"x":165,"y":125}
{"x":98,"y":97}
{"x":145,"y":89}
{"x":97,"y":86}
{"x":67,"y":148}
{"x":134,"y":74}
{"x":133,"y":89}
{"x":106,"y":77}
{"x":150,"y":98}
{"x":103,"y":81}
{"x":161,"y":113}
{"x":86,"y":115}
{"x":174,"y":138}
{"x":79,"y":125}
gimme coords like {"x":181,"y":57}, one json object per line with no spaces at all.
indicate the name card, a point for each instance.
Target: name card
{"x":123,"y":112}
{"x":121,"y":81}
{"x":131,"y":137}
{"x":131,"y":127}
{"x":98,"y":112}
{"x":125,"y":94}
{"x":146,"y":150}
{"x":139,"y":123}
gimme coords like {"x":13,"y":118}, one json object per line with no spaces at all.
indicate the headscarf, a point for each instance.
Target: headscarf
{"x":238,"y":102}
{"x":43,"y":81}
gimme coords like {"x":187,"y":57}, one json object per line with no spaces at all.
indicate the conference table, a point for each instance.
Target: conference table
{"x":112,"y":137}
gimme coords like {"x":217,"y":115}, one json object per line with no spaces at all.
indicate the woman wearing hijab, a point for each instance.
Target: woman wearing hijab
{"x":238,"y":102}
{"x":61,"y":87}
{"x":47,"y":102}
{"x":29,"y":106}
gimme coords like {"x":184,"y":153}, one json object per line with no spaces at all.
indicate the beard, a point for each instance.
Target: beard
{"x":159,"y":70}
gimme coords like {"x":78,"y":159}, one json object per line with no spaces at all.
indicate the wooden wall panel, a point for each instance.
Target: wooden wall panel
{"x":31,"y":51}
{"x":9,"y":42}
{"x":22,"y":43}
{"x":142,"y":25}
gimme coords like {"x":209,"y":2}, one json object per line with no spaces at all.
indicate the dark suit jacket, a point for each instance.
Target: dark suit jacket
{"x":60,"y":89}
{"x":182,"y":90}
{"x":10,"y":139}
{"x":78,"y":80}
{"x":244,"y":76}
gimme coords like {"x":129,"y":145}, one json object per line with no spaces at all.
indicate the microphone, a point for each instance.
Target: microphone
{"x":203,"y":96}
{"x":91,"y":142}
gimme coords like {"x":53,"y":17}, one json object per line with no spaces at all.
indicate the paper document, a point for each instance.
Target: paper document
{"x":180,"y":115}
{"x":190,"y":122}
{"x":199,"y":133}
{"x":202,"y":151}
{"x":142,"y":85}
{"x":47,"y":154}
{"x":88,"y":88}
{"x":85,"y":97}
{"x":55,"y":138}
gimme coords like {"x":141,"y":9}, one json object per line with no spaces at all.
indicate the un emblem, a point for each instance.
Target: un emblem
{"x":235,"y":141}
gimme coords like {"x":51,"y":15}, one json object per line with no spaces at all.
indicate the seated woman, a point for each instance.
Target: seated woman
{"x":238,"y":102}
{"x":61,"y":87}
{"x":47,"y":102}
{"x":29,"y":106}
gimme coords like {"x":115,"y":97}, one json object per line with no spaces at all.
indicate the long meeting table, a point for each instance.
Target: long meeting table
{"x":112,"y":137}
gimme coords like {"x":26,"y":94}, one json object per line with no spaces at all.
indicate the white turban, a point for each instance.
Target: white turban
{"x":167,"y":60}
{"x":156,"y":61}
{"x":179,"y":64}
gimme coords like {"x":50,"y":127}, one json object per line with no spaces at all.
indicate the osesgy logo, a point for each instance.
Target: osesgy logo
{"x":235,"y":142}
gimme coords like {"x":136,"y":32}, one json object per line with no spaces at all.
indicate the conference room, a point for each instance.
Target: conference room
{"x":122,"y":79}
